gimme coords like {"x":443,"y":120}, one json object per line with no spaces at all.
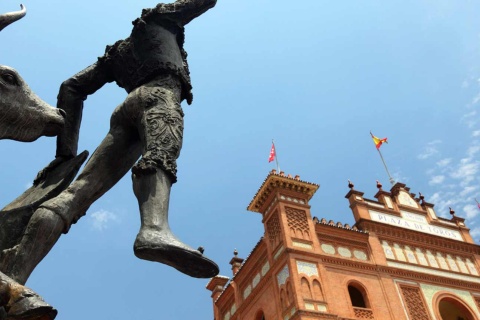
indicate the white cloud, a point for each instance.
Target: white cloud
{"x":470,"y":118}
{"x":471,"y":211}
{"x":466,"y":171}
{"x":475,"y":232}
{"x":436,"y":179}
{"x":430,"y":150}
{"x":476,"y":133}
{"x":444,"y":162}
{"x":473,"y":150}
{"x":102,"y":219}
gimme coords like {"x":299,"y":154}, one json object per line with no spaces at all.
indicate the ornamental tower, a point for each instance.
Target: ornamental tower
{"x":399,"y":261}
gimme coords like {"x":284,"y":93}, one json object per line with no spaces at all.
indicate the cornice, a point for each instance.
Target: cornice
{"x":276,"y":180}
{"x":415,"y":237}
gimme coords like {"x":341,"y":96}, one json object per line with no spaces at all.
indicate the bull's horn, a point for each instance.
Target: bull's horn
{"x":7,"y":18}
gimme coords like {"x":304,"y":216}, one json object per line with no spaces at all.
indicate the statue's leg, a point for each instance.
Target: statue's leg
{"x":108,"y":164}
{"x":161,"y":129}
{"x":20,"y":302}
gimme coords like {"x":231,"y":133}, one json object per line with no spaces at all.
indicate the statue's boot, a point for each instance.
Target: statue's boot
{"x":23,"y":303}
{"x":155,"y":241}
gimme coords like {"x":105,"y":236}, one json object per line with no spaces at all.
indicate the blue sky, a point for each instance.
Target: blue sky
{"x":316,"y":76}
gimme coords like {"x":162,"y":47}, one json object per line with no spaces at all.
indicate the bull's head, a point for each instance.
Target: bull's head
{"x":23,"y":115}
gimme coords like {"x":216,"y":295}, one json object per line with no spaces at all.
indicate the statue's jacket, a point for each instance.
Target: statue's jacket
{"x":155,"y":47}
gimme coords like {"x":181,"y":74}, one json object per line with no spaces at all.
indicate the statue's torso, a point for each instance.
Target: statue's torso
{"x":151,"y":50}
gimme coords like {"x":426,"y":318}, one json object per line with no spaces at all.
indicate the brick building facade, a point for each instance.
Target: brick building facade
{"x":399,"y":261}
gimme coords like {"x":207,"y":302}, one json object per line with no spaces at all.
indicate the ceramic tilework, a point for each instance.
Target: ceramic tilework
{"x":256,"y":280}
{"x":432,"y":260}
{"x":421,"y":257}
{"x":452,"y":264}
{"x":461,"y":265}
{"x":399,"y":252}
{"x":360,"y":255}
{"x":441,"y":261}
{"x":322,"y":307}
{"x":430,"y":290}
{"x":388,"y":201}
{"x":441,"y":273}
{"x":388,"y":250}
{"x":410,"y":256}
{"x":471,"y":267}
{"x":227,"y":316}
{"x":310,"y":269}
{"x":247,"y":292}
{"x":327,"y":248}
{"x":282,"y":276}
{"x":301,"y":245}
{"x":309,"y":306}
{"x":344,"y":252}
{"x":265,"y":268}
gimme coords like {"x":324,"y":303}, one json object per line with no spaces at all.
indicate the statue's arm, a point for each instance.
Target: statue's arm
{"x":70,"y":98}
{"x":183,"y":11}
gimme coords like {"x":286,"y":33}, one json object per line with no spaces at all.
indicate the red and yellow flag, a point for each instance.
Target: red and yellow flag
{"x":378,"y":142}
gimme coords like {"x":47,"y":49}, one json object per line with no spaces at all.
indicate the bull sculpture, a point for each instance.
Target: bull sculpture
{"x":25,"y":117}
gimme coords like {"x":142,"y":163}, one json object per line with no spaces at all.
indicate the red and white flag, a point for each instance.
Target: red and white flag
{"x":272,"y":153}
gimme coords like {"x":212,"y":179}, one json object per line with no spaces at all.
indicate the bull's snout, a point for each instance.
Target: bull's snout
{"x":55,"y":123}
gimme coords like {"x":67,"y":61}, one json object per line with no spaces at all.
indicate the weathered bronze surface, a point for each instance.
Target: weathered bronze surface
{"x":151,"y":65}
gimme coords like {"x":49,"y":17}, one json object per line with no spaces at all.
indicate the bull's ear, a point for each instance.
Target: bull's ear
{"x":10,"y":17}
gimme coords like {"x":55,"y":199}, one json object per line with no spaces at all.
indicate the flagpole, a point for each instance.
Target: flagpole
{"x":276,"y":156}
{"x":385,"y":165}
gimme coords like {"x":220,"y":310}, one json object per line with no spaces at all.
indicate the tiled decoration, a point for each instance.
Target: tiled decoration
{"x":310,"y":269}
{"x":349,"y":253}
{"x":247,"y":291}
{"x":283,"y":275}
{"x":428,"y":258}
{"x":328,"y":248}
{"x":440,"y":273}
{"x":265,"y":268}
{"x":429,"y":292}
{"x":344,"y":252}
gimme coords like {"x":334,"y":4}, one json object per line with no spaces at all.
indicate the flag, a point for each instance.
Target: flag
{"x":272,"y":153}
{"x":478,"y":204}
{"x":377,"y":141}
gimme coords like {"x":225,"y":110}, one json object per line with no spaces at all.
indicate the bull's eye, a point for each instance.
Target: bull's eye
{"x":9,"y":78}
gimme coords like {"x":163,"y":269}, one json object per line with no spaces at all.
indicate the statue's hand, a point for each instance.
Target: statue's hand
{"x":42,"y":174}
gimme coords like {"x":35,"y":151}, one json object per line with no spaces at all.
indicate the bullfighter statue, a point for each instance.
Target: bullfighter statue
{"x":151,"y":65}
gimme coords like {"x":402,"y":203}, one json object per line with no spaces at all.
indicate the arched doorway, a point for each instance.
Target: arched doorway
{"x":451,"y":308}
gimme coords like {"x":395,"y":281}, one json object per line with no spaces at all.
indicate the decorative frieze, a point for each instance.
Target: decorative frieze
{"x":436,"y":260}
{"x":344,"y":252}
{"x":441,"y":273}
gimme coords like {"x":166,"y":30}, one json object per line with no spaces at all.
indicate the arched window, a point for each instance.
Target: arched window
{"x":358,"y":296}
{"x":451,"y":308}
{"x":260,"y":316}
{"x":306,"y":292}
{"x":317,"y":291}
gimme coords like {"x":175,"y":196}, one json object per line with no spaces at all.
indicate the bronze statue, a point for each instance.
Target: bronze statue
{"x":151,"y":65}
{"x":23,"y":117}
